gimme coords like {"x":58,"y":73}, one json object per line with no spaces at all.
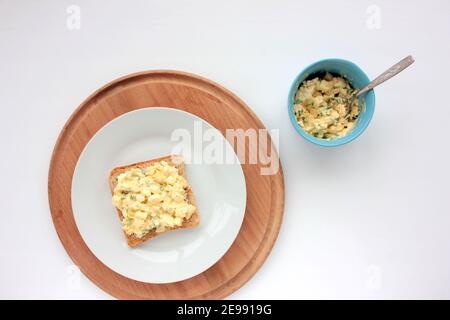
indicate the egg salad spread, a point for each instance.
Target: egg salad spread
{"x":319,"y":107}
{"x":154,"y":197}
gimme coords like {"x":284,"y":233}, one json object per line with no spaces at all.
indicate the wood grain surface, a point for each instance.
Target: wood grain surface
{"x":222,"y":109}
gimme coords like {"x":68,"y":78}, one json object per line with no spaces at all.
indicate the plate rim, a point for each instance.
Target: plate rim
{"x":195,"y":117}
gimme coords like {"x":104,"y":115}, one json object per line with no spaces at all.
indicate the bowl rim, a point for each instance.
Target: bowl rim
{"x":322,"y":142}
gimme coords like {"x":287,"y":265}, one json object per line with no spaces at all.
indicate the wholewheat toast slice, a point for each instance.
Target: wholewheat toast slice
{"x":173,"y":160}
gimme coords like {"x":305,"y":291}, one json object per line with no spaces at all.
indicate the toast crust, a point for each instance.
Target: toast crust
{"x":174,"y":160}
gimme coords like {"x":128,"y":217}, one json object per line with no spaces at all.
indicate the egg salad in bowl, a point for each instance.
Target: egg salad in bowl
{"x":318,"y":101}
{"x":320,"y":107}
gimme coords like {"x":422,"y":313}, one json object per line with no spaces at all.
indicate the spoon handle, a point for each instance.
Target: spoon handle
{"x":389,"y":73}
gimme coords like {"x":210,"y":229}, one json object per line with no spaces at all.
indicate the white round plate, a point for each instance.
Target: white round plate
{"x":219,"y":190}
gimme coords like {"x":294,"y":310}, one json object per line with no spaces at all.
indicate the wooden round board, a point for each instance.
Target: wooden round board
{"x":222,"y":109}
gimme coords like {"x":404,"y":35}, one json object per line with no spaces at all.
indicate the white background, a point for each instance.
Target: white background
{"x":366,"y":220}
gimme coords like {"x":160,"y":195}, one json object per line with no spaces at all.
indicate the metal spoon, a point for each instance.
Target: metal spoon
{"x":389,"y":73}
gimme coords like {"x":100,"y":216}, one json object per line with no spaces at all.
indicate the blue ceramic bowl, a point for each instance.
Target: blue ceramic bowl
{"x":357,"y":79}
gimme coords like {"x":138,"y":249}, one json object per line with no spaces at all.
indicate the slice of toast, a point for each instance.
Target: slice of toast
{"x":173,"y":160}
